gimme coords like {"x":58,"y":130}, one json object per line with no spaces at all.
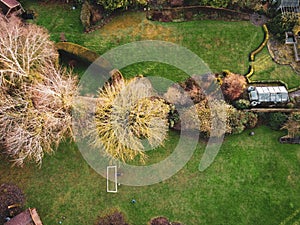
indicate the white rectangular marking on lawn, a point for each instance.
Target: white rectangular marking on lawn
{"x":114,"y":177}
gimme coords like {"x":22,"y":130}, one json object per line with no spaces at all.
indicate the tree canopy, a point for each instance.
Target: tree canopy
{"x":35,"y":94}
{"x":125,"y":116}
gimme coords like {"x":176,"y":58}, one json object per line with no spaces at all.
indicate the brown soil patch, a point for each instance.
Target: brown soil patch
{"x":283,"y":54}
{"x":136,"y":25}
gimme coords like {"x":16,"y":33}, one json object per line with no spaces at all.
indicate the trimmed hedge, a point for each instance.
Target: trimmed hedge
{"x":275,"y":82}
{"x":294,"y":89}
{"x":78,"y":50}
{"x":250,"y":73}
{"x":263,"y":44}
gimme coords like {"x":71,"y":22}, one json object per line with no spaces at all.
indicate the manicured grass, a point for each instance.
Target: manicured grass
{"x":267,"y":69}
{"x":254,"y":180}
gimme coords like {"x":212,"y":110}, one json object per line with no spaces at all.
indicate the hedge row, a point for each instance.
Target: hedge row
{"x":276,"y":82}
{"x":250,"y":73}
{"x":187,"y":13}
{"x":263,"y":44}
{"x":294,"y":89}
{"x":78,"y":50}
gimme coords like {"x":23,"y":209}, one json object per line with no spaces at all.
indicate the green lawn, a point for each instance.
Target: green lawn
{"x":256,"y":182}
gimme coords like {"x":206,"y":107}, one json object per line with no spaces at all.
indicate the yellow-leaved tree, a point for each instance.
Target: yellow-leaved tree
{"x":130,"y":117}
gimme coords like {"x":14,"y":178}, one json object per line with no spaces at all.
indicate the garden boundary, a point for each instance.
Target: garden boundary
{"x":263,"y":44}
{"x":186,"y":13}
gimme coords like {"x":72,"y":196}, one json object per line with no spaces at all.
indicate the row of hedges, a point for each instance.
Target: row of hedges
{"x":294,"y":89}
{"x":195,"y":13}
{"x":270,"y":82}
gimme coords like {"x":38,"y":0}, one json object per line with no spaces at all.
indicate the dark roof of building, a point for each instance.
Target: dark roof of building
{"x":10,"y":3}
{"x":289,"y":3}
{"x":28,"y":217}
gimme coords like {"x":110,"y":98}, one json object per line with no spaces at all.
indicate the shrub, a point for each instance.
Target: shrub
{"x":290,"y":105}
{"x":114,"y":218}
{"x":85,"y":15}
{"x":10,"y":195}
{"x":176,"y":95}
{"x":112,"y":5}
{"x":195,"y":92}
{"x":276,"y":120}
{"x":159,"y":221}
{"x":200,"y":117}
{"x":242,"y":104}
{"x":281,"y":24}
{"x":233,"y":86}
{"x":173,"y":117}
{"x":252,"y":119}
{"x":292,"y":125}
{"x":239,"y":120}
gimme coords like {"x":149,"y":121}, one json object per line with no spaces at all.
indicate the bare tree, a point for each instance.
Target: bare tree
{"x":23,"y":49}
{"x":37,"y":116}
{"x":36,"y":95}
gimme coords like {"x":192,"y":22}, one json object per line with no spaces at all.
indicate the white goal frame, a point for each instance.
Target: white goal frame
{"x":108,"y":168}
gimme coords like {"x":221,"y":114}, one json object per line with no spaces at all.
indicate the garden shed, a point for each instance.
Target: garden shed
{"x":10,"y":6}
{"x":289,"y":6}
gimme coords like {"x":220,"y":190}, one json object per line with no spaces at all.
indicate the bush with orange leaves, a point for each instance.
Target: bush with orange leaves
{"x":233,"y":85}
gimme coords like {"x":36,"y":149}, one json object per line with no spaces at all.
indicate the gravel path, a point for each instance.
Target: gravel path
{"x":258,"y":20}
{"x":295,"y":94}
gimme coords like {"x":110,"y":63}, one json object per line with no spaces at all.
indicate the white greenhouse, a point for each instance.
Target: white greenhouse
{"x":258,"y":95}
